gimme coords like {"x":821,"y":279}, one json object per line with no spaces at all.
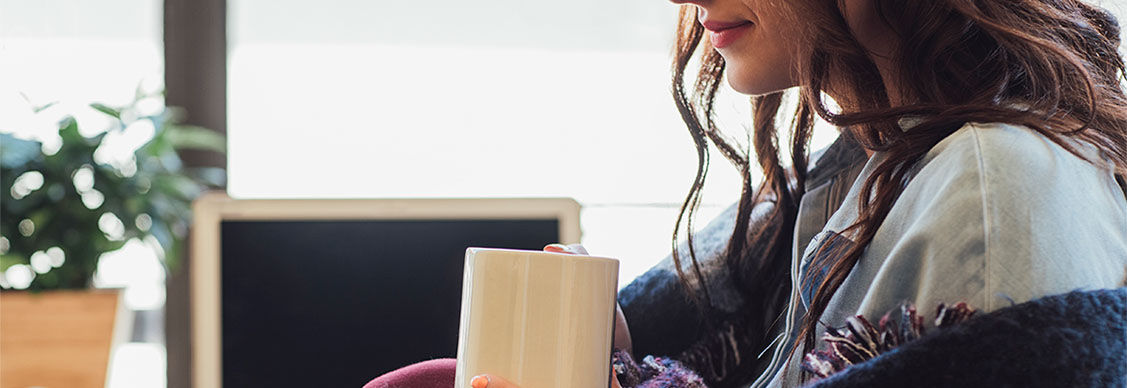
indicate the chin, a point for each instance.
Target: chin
{"x":754,"y":83}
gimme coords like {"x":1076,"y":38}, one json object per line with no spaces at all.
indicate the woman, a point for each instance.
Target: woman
{"x":982,"y":157}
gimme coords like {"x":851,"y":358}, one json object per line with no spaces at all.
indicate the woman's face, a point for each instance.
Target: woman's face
{"x":752,"y":36}
{"x":758,"y":39}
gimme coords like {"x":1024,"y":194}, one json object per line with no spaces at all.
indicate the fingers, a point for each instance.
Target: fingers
{"x":493,"y":381}
{"x":622,"y":338}
{"x":575,"y":249}
{"x":578,"y":248}
{"x":490,"y":381}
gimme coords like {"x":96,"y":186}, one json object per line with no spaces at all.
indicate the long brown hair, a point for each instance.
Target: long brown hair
{"x":1050,"y":65}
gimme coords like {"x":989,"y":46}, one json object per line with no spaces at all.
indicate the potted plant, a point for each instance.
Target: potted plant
{"x":61,"y":208}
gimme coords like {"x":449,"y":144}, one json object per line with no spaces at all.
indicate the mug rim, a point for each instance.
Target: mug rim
{"x":475,"y":250}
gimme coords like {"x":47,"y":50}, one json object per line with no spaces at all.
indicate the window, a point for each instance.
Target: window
{"x":351,"y":98}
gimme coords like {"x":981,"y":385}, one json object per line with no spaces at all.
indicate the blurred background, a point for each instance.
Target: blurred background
{"x":359,"y":99}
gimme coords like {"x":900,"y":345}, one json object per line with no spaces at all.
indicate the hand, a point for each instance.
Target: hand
{"x":493,"y":381}
{"x":621,"y":331}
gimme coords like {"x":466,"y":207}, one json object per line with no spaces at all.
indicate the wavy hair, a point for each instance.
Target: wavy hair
{"x":1050,"y":65}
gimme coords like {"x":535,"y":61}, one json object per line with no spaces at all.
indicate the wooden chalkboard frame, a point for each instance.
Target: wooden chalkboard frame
{"x":212,"y":208}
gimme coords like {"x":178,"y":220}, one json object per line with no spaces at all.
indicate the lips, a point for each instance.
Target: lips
{"x":722,"y":34}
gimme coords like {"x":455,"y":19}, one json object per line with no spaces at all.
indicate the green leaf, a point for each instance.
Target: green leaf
{"x":43,"y":107}
{"x":34,"y":108}
{"x":114,"y":245}
{"x":116,"y":113}
{"x":178,"y":186}
{"x":193,"y":137}
{"x":15,"y":152}
{"x":172,"y":256}
{"x":139,"y":92}
{"x":68,"y":130}
{"x":9,"y":259}
{"x":211,"y":176}
{"x":161,"y":232}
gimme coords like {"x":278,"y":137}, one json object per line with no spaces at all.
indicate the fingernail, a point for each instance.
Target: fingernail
{"x":479,"y":382}
{"x":556,"y":248}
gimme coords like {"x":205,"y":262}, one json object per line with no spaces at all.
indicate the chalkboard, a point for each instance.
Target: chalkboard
{"x":337,"y":303}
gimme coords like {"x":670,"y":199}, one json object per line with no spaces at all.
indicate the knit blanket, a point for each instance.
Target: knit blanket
{"x":1075,"y":340}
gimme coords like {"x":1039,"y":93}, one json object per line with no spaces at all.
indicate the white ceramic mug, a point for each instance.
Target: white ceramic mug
{"x":539,"y":319}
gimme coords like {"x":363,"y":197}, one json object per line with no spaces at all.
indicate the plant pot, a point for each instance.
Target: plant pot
{"x":59,"y":338}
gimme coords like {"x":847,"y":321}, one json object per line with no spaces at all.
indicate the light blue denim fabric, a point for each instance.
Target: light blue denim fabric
{"x":994,"y":214}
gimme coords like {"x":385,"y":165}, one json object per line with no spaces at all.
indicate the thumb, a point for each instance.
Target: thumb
{"x":490,"y":381}
{"x":575,"y":249}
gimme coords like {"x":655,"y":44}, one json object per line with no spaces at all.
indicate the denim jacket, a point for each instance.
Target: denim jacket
{"x":971,"y":225}
{"x":714,"y":341}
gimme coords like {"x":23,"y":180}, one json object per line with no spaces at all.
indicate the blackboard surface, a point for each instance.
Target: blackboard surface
{"x":337,"y":303}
